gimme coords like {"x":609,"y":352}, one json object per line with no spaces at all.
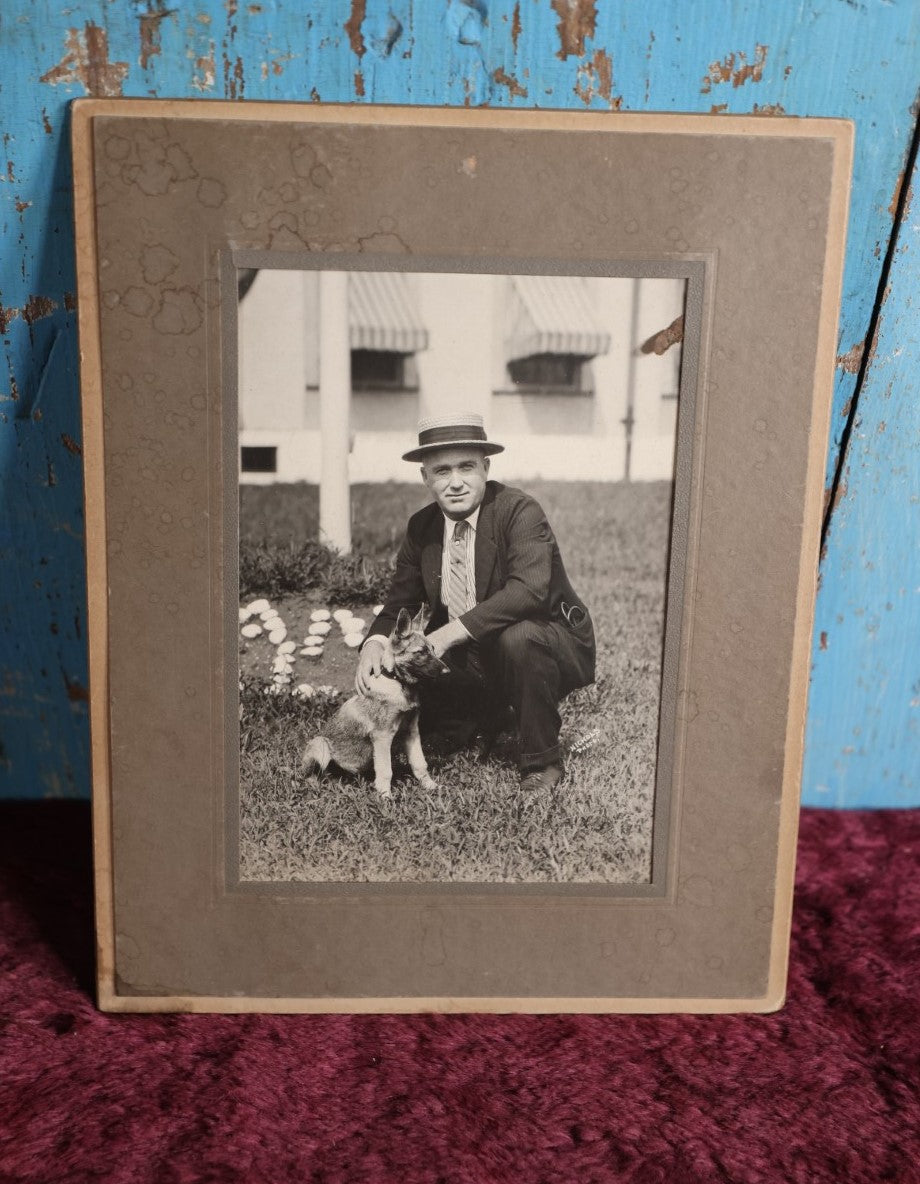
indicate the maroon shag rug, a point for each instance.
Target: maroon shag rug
{"x":825,"y":1090}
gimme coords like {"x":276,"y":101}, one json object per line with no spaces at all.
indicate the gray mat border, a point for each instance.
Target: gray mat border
{"x":693,"y":270}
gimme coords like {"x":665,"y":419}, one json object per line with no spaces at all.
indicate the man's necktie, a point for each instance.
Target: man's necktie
{"x":458,"y":571}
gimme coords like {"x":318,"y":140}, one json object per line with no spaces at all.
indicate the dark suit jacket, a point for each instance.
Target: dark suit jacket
{"x":519,"y":573}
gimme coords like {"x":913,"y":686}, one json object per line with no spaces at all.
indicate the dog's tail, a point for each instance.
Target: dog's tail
{"x":317,"y":755}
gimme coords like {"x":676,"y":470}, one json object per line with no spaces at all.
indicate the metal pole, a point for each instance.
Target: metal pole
{"x":334,"y":409}
{"x":629,"y":420}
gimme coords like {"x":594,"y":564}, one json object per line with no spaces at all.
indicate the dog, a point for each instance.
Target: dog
{"x":361,"y":733}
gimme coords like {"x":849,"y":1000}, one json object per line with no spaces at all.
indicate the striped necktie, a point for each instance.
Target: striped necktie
{"x":458,"y":571}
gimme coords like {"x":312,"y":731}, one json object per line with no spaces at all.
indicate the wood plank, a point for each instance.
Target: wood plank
{"x":863,"y":742}
{"x":814,"y":58}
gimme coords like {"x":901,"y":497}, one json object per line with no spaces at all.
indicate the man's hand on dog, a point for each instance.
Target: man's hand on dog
{"x":445,"y":638}
{"x":375,"y":657}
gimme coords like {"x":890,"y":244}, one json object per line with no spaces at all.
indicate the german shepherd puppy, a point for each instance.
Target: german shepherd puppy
{"x":361,"y":733}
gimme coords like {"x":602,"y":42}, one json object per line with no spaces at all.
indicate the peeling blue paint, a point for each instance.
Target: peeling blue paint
{"x":864,"y":721}
{"x":817,"y":58}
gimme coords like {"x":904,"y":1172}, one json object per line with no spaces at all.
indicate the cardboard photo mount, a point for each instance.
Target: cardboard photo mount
{"x":753,"y":212}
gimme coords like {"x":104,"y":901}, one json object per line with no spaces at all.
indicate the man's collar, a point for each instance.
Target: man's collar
{"x":434,"y":523}
{"x":473,"y":519}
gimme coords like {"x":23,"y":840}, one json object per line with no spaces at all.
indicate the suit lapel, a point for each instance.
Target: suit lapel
{"x":432,"y":554}
{"x":485,"y":550}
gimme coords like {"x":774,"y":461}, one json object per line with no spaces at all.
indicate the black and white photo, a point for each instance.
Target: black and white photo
{"x":455,"y":507}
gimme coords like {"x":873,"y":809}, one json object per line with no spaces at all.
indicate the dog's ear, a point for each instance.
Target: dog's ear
{"x":403,"y":623}
{"x":421,"y":619}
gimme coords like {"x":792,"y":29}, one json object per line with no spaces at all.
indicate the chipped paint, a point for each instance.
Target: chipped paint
{"x":76,"y":692}
{"x":595,"y":78}
{"x":234,"y":81}
{"x":276,"y":65}
{"x":206,"y":71}
{"x":832,"y":499}
{"x":577,"y":22}
{"x":648,"y":73}
{"x":150,"y":31}
{"x":234,"y":69}
{"x":735,"y":69}
{"x":839,"y":494}
{"x":514,"y":87}
{"x":86,"y":61}
{"x":353,"y":27}
{"x":38,"y":307}
{"x":896,"y":199}
{"x":35,"y":309}
{"x":516,"y":26}
{"x":896,"y":196}
{"x":852,"y":359}
{"x":6,"y":316}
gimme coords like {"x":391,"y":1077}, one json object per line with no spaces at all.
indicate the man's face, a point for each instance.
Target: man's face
{"x":457,"y":478}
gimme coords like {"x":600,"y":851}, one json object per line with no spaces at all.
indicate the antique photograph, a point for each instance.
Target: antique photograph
{"x":455,"y":500}
{"x":453,"y":493}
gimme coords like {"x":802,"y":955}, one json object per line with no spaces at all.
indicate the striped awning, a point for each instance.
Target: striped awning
{"x":382,"y":313}
{"x":552,"y":315}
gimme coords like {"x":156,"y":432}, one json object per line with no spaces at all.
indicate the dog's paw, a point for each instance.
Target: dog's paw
{"x":383,"y":790}
{"x":427,"y":782}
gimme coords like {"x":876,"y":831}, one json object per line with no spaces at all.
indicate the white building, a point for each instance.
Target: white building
{"x":553,"y":364}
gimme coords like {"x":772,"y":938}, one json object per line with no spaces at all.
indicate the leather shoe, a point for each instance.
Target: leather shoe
{"x":541,"y":779}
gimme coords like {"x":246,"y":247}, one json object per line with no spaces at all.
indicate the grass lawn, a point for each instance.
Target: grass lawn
{"x":476,"y":826}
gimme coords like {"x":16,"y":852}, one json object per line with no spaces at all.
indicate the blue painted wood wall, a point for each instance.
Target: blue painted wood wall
{"x":857,"y":59}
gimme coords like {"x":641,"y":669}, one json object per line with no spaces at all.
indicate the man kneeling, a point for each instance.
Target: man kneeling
{"x":505,"y":618}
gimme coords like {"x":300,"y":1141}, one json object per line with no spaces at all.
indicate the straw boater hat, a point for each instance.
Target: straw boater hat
{"x":452,"y":431}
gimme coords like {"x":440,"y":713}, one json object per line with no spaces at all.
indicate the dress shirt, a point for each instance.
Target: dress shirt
{"x":449,"y":524}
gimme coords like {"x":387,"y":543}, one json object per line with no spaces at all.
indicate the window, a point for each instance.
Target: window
{"x":551,"y":336}
{"x":382,"y":369}
{"x":258,"y":459}
{"x":385,"y":331}
{"x":547,"y":372}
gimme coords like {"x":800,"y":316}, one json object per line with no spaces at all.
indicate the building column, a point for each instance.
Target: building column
{"x":334,"y":411}
{"x":629,"y":419}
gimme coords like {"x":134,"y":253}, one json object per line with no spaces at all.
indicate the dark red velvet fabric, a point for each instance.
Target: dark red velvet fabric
{"x":825,"y":1090}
